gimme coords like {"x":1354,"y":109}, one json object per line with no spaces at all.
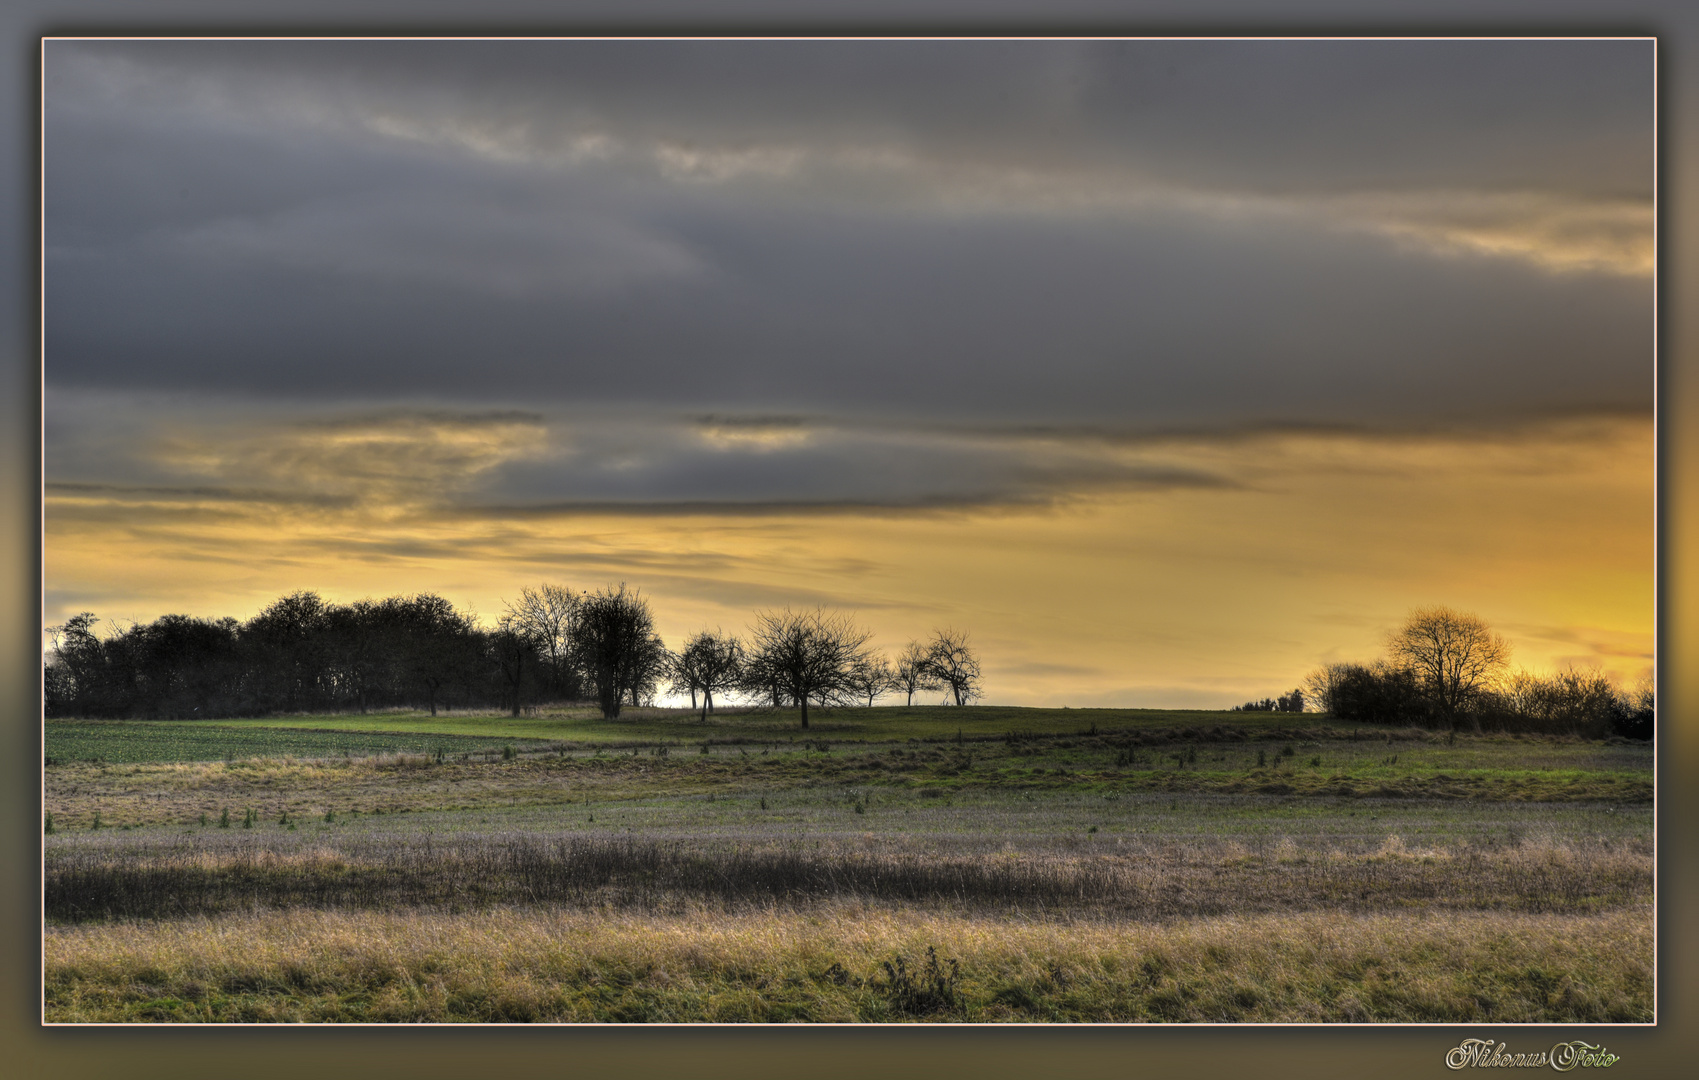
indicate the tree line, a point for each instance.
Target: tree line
{"x":304,"y":654}
{"x":1446,"y":669}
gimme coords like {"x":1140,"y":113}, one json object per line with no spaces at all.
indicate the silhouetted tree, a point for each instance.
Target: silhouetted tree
{"x":1290,"y":702}
{"x":912,"y":672}
{"x":807,"y":656}
{"x":1378,"y":693}
{"x":710,"y":662}
{"x":545,"y":615}
{"x":1320,"y":685}
{"x":289,"y":653}
{"x":651,"y":665}
{"x":76,"y":675}
{"x":184,"y":666}
{"x":1569,"y":702}
{"x":438,"y":646}
{"x":952,"y":663}
{"x":870,"y":677}
{"x":615,"y":644}
{"x":1637,"y":711}
{"x":1455,"y":656}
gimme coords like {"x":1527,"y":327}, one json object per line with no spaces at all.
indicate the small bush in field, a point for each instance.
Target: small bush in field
{"x":931,"y":990}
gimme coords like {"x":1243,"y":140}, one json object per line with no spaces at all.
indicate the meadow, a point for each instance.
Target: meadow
{"x":887,"y":864}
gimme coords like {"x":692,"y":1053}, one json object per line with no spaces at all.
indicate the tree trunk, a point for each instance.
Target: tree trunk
{"x":804,"y":699}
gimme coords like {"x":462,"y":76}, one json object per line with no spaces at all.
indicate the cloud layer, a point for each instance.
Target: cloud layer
{"x":1125,"y":233}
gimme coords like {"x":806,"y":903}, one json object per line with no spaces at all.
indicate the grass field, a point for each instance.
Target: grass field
{"x":129,"y":742}
{"x":72,"y":740}
{"x":1068,"y":864}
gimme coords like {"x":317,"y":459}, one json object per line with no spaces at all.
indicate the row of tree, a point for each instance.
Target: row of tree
{"x":1292,"y":702}
{"x":303,"y":654}
{"x":1445,"y":668}
{"x":823,"y":658}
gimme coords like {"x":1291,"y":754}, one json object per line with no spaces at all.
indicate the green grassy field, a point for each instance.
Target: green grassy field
{"x":585,"y":726}
{"x":1456,"y":873}
{"x":128,"y":742}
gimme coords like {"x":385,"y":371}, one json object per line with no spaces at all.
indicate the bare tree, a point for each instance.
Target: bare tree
{"x":912,"y":672}
{"x":648,"y":668}
{"x":807,"y":656}
{"x":708,"y":662}
{"x":953,"y":664}
{"x":614,"y":640}
{"x":870,"y":677}
{"x":515,"y":652}
{"x":545,"y":616}
{"x":682,"y":678}
{"x":1322,"y":685}
{"x":1455,"y":657}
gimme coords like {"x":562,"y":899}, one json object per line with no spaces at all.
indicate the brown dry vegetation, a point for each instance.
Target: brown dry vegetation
{"x":1148,"y":880}
{"x":839,"y":963}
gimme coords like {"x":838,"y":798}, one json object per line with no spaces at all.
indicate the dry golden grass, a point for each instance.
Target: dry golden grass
{"x":830,"y":964}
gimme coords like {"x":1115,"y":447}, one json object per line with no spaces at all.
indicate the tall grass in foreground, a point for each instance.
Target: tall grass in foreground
{"x":1160,"y":881}
{"x":842,"y":964}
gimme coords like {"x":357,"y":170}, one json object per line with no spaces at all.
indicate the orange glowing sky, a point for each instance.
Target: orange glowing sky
{"x":1308,"y":552}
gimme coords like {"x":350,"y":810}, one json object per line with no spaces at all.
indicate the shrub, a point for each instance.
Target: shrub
{"x":1637,"y":711}
{"x":1380,"y":693}
{"x":1571,"y":702}
{"x":933,"y":991}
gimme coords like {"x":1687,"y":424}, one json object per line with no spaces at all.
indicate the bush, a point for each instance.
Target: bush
{"x":1379,"y":693}
{"x":1571,"y":702}
{"x":1637,"y":711}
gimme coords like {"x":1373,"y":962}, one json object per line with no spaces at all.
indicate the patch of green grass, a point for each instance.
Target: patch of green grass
{"x":836,"y":725}
{"x":136,"y":741}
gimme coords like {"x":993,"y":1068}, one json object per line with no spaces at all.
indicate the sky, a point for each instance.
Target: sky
{"x":1168,"y":370}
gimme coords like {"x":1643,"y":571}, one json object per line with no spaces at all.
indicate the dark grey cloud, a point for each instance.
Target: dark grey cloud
{"x":1262,"y":114}
{"x":206,"y":455}
{"x":1125,"y":234}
